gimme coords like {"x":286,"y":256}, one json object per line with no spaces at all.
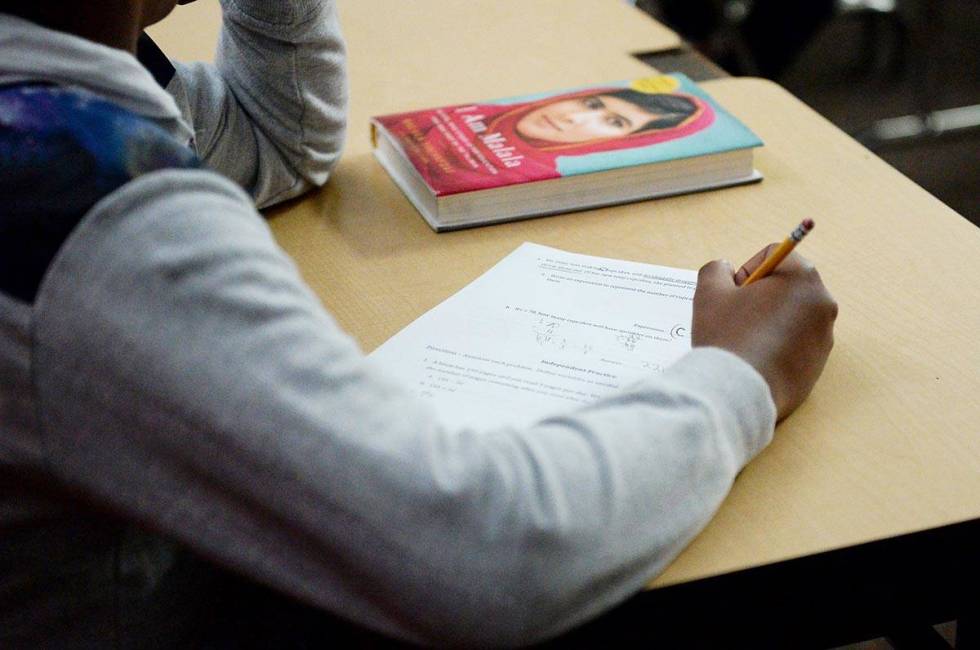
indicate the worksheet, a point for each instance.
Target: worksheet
{"x":543,"y":332}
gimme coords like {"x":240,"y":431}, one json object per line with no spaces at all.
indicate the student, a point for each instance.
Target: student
{"x":175,"y":403}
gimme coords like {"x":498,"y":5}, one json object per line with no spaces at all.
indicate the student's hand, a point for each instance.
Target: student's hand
{"x":783,"y":324}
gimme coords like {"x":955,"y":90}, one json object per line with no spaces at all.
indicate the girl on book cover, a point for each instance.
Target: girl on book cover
{"x":480,"y":146}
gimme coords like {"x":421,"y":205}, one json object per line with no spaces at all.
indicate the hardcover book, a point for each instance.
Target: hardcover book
{"x":507,"y":159}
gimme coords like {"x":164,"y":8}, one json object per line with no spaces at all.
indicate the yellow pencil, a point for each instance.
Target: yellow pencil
{"x":784,"y":249}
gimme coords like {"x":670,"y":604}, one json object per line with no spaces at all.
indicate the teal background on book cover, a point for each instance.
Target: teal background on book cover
{"x":725,"y":134}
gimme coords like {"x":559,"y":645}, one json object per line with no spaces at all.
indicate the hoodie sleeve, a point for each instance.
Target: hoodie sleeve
{"x":188,"y":380}
{"x":270,"y":114}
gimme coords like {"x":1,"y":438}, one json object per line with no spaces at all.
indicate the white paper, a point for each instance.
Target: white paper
{"x":543,"y":332}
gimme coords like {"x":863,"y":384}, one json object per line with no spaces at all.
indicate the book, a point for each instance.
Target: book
{"x":542,"y":332}
{"x":480,"y":163}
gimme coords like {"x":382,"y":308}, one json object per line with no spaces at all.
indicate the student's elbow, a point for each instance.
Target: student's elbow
{"x":527,"y":611}
{"x":295,"y":172}
{"x":527,"y":598}
{"x":317,"y":158}
{"x":322,"y":142}
{"x":494,"y":613}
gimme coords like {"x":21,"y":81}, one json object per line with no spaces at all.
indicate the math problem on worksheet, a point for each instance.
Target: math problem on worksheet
{"x":541,"y":330}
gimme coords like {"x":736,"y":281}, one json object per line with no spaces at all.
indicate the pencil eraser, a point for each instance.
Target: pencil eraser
{"x":808,"y":225}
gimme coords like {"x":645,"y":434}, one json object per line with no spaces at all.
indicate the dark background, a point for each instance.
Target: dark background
{"x":857,"y":62}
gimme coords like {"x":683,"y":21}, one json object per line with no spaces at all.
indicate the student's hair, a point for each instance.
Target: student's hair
{"x":675,"y":108}
{"x":13,"y":6}
{"x":32,"y":12}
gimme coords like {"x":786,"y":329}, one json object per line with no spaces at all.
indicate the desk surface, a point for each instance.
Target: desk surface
{"x":512,"y":46}
{"x":888,"y":442}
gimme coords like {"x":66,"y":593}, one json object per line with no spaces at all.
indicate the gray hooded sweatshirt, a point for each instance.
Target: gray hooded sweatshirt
{"x":175,"y":403}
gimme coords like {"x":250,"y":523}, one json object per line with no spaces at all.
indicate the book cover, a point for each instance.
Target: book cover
{"x":502,"y":142}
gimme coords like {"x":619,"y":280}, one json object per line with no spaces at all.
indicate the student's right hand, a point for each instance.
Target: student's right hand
{"x":783,"y":324}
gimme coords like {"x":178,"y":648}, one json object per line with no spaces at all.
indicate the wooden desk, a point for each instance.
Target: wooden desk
{"x":491,"y":38}
{"x":887,"y":446}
